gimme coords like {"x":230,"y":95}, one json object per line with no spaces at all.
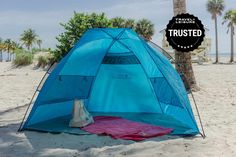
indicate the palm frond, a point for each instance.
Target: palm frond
{"x":215,"y":7}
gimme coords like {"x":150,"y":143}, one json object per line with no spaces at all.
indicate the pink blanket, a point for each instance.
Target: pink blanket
{"x":120,"y":128}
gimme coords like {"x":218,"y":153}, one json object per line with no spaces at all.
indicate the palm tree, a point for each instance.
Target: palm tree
{"x":230,"y":17}
{"x":29,"y":37}
{"x":215,"y":7}
{"x":130,"y":23}
{"x":145,"y":28}
{"x":14,"y":46}
{"x":183,"y":61}
{"x":39,"y":43}
{"x":8,"y":47}
{"x":118,"y":22}
{"x":1,"y":48}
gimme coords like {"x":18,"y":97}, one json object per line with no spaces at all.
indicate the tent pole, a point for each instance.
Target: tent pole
{"x":203,"y":132}
{"x":37,"y":90}
{"x":195,"y":104}
{"x":164,"y":51}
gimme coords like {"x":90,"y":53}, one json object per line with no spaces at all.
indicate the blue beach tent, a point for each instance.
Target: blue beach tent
{"x":116,"y":73}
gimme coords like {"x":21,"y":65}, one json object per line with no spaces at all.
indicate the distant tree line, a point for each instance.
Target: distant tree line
{"x":215,"y":8}
{"x":27,"y":39}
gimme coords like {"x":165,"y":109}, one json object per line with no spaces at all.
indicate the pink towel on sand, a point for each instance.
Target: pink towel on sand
{"x":120,"y":128}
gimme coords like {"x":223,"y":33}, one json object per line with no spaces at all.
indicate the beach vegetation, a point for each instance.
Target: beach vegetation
{"x":29,"y":37}
{"x":9,"y":46}
{"x":39,"y":43}
{"x":23,"y":58}
{"x":230,"y":19}
{"x":118,"y":22}
{"x":44,"y":61}
{"x":130,"y":23}
{"x":1,"y":49}
{"x":215,"y":8}
{"x":145,"y":28}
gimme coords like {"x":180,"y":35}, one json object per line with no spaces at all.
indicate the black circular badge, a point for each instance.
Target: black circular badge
{"x":185,"y":32}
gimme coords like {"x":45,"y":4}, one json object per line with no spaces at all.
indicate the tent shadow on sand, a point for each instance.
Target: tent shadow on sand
{"x":37,"y":142}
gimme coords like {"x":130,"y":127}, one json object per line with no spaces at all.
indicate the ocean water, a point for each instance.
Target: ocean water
{"x":4,"y":56}
{"x":221,"y":54}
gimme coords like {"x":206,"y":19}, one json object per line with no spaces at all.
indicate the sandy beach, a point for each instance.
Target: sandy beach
{"x":216,"y":101}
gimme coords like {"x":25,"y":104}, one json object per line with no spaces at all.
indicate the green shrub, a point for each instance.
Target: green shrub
{"x":23,"y":58}
{"x":74,"y":29}
{"x":44,"y":61}
{"x":51,"y":59}
{"x":16,"y":51}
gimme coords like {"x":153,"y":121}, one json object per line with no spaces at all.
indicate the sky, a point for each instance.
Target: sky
{"x":45,"y":16}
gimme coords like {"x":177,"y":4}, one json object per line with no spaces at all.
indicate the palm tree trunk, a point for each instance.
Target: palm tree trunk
{"x":1,"y":56}
{"x":183,"y":64}
{"x":216,"y":34}
{"x":232,"y":43}
{"x":8,"y":55}
{"x":183,"y":61}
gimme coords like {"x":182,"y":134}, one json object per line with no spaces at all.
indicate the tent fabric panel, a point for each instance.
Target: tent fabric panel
{"x":129,"y":34}
{"x":50,"y":111}
{"x":148,"y":64}
{"x":180,"y":114}
{"x":120,"y":59}
{"x":173,"y":79}
{"x":118,"y":48}
{"x":47,"y":84}
{"x":164,"y":92}
{"x":57,"y":125}
{"x":170,"y":74}
{"x":92,"y":35}
{"x":68,"y":87}
{"x":113,"y":33}
{"x":86,"y":59}
{"x":122,"y":88}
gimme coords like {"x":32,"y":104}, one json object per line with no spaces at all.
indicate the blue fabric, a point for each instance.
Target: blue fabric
{"x":116,"y":72}
{"x":88,"y":57}
{"x":118,"y":48}
{"x":64,"y":85}
{"x":49,"y":111}
{"x":122,"y":88}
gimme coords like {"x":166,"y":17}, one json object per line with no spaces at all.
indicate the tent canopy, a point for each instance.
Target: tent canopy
{"x":117,"y":74}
